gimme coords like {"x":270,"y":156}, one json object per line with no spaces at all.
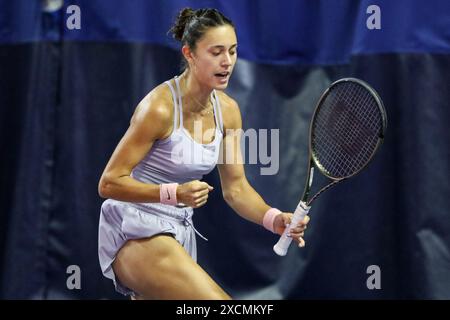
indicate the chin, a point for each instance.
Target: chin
{"x":221,"y":86}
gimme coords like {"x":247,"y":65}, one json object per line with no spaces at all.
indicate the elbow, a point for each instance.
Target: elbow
{"x":103,"y":188}
{"x":230,"y":196}
{"x":226,"y":197}
{"x":233,"y":192}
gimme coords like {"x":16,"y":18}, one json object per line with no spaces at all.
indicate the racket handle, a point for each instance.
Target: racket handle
{"x":282,"y":246}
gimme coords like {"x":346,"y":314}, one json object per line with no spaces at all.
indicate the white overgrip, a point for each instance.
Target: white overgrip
{"x":282,"y":245}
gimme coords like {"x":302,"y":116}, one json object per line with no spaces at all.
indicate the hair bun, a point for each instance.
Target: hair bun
{"x":182,"y":20}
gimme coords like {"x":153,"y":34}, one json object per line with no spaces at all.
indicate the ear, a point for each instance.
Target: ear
{"x":187,"y":53}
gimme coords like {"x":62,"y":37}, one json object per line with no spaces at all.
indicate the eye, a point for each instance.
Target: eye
{"x":216,"y":53}
{"x":232,"y":53}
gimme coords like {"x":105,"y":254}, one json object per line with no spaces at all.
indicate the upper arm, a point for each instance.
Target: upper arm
{"x":151,"y":121}
{"x":232,"y":169}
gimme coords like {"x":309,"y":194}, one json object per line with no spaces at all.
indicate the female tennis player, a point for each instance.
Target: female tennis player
{"x":147,"y":242}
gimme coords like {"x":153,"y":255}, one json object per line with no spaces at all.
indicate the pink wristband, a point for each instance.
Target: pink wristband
{"x":269,"y":217}
{"x":168,"y":193}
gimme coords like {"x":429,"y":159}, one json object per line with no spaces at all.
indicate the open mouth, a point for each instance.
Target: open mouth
{"x":222,"y":75}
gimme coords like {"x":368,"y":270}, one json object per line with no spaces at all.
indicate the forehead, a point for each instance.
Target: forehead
{"x":218,"y":36}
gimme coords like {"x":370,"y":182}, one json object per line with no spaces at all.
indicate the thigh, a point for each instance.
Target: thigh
{"x":160,"y":268}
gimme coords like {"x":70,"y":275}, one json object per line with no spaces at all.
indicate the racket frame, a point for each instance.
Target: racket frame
{"x":303,"y":207}
{"x":312,"y":158}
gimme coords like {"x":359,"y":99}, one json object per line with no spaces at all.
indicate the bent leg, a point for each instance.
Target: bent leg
{"x":160,"y":268}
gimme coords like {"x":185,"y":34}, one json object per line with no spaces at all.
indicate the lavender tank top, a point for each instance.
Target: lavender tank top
{"x":179,"y":158}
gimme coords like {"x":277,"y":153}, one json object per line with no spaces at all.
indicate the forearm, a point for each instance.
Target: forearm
{"x":247,"y":202}
{"x":127,"y":189}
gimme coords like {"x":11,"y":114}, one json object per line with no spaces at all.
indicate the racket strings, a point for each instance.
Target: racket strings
{"x":346,"y":129}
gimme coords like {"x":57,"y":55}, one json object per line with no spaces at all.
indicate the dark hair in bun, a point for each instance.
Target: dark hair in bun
{"x":191,"y":25}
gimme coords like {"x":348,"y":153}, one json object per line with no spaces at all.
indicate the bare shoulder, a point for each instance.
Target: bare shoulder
{"x":155,"y":110}
{"x":230,"y":111}
{"x":157,"y":105}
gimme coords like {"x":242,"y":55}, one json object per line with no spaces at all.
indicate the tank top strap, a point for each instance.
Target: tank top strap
{"x":218,"y":111}
{"x":175,"y":107}
{"x":180,"y":106}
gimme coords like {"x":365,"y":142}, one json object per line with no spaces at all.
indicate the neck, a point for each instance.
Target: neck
{"x":196,"y":95}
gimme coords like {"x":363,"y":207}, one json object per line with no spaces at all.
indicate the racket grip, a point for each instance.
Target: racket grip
{"x":282,"y":246}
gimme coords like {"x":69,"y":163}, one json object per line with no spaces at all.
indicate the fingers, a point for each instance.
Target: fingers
{"x":302,"y":225}
{"x":288,"y":219}
{"x":299,"y":228}
{"x":297,"y":232}
{"x":298,"y":237}
{"x":201,"y":203}
{"x":202,"y":199}
{"x":201,"y":193}
{"x":200,"y":186}
{"x":301,"y":243}
{"x":198,"y":193}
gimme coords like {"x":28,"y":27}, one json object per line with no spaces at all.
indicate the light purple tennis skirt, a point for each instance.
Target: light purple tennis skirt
{"x":122,"y":221}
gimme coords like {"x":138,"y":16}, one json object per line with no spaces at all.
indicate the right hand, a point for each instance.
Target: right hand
{"x":296,"y":233}
{"x":193,"y":193}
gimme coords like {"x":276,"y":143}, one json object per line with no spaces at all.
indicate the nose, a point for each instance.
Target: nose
{"x":227,"y":60}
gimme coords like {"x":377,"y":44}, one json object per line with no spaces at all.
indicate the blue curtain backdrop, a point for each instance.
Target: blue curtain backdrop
{"x":66,"y":98}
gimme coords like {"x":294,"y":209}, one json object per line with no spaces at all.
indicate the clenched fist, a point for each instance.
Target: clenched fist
{"x":193,"y":193}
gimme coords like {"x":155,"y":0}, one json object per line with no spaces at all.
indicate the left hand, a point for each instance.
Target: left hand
{"x":297,"y":232}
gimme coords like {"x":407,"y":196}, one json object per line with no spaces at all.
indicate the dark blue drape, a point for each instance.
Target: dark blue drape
{"x":66,"y":98}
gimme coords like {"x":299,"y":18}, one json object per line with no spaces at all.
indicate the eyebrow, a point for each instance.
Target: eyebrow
{"x":223,"y":47}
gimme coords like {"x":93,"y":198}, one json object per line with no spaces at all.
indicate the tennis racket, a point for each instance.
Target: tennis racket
{"x":347,"y":129}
